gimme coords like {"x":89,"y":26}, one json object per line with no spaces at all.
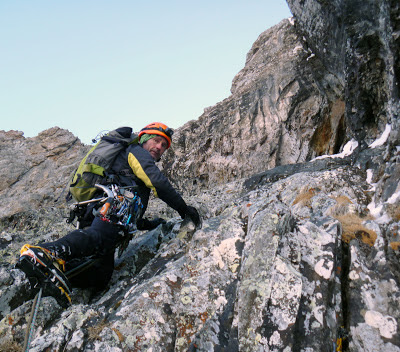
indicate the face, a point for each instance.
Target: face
{"x":156,"y":146}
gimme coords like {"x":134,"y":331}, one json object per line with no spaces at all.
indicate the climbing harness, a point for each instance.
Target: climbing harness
{"x":120,"y":206}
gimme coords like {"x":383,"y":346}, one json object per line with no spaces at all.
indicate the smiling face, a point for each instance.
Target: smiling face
{"x":156,"y":146}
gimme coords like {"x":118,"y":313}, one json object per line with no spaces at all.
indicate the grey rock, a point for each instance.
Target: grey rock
{"x":41,"y":163}
{"x":295,"y":253}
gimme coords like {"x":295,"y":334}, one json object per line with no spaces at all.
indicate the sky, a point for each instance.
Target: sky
{"x":89,"y":66}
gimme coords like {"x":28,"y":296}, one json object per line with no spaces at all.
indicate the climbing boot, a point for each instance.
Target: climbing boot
{"x":44,"y":269}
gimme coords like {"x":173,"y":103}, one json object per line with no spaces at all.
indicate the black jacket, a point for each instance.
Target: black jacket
{"x":135,"y":166}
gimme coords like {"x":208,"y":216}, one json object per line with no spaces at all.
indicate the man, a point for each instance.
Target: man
{"x":135,"y":167}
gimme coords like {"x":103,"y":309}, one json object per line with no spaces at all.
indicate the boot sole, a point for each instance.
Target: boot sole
{"x":40,"y":275}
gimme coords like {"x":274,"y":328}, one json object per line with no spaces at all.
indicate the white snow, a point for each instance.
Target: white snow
{"x":393,"y":198}
{"x":311,"y":56}
{"x":369,"y":176}
{"x":374,"y":209}
{"x":377,"y":211}
{"x":384,"y":219}
{"x":348,"y":149}
{"x":382,"y":139}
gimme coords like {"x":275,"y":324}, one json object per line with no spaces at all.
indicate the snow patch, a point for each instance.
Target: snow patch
{"x":393,"y":198}
{"x":382,"y":139}
{"x":348,"y":149}
{"x":374,"y":209}
{"x":311,"y":56}
{"x":384,"y":219}
{"x":370,"y":174}
{"x":377,"y":212}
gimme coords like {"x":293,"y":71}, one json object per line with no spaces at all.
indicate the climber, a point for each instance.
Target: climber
{"x":138,"y":173}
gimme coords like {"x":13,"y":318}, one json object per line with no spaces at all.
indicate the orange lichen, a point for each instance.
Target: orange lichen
{"x":203,"y":317}
{"x":353,"y":228}
{"x":153,"y":294}
{"x":342,"y":200}
{"x":119,"y":334}
{"x":395,"y":245}
{"x":95,"y":331}
{"x":305,"y":197}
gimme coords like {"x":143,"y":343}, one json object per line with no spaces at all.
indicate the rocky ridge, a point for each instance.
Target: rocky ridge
{"x":299,"y":251}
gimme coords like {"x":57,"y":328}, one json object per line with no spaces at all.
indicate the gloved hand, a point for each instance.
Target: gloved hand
{"x":194,"y":216}
{"x":146,"y":224}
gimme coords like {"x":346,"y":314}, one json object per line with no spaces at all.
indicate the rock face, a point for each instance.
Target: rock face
{"x":33,"y":170}
{"x":281,"y":111}
{"x":358,"y":43}
{"x":296,"y":253}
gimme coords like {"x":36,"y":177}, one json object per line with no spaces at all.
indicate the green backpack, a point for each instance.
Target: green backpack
{"x":97,"y":163}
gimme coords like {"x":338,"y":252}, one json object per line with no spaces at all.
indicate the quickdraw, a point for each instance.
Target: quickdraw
{"x":31,"y":323}
{"x":122,"y":207}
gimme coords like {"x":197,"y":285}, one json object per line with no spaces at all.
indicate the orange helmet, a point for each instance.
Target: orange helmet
{"x":158,"y":128}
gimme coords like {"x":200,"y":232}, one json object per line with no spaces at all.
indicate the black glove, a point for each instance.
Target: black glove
{"x":146,"y":224}
{"x":193,"y":215}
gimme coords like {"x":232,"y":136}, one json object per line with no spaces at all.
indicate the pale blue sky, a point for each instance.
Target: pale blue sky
{"x":92,"y":65}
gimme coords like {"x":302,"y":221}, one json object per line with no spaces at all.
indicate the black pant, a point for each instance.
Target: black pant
{"x":98,"y":241}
